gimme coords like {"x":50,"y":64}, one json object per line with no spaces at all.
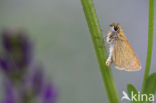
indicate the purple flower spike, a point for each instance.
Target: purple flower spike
{"x":24,"y":83}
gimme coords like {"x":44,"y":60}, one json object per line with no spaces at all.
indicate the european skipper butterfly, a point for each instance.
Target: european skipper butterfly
{"x":120,"y":51}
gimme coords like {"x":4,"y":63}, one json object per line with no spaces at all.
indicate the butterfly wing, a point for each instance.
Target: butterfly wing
{"x":124,"y":57}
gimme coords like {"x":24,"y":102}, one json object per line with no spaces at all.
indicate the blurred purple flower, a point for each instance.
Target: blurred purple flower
{"x":35,"y":81}
{"x":49,"y":94}
{"x":17,"y":52}
{"x":4,"y":64}
{"x":27,"y":83}
{"x":11,"y":95}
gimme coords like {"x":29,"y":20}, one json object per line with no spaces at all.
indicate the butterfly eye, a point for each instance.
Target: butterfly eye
{"x":116,"y":28}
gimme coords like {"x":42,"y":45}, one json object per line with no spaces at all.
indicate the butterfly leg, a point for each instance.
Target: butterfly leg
{"x":109,"y":59}
{"x":108,"y":63}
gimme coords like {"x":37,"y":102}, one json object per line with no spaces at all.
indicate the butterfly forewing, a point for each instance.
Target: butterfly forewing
{"x":124,"y":57}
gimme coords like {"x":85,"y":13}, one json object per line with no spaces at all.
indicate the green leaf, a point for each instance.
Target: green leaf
{"x":130,"y":89}
{"x":150,"y":84}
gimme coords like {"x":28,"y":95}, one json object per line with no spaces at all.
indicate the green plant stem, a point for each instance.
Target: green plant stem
{"x":101,"y":54}
{"x":150,"y":40}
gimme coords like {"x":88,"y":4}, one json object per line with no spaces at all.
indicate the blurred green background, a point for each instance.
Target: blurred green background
{"x":63,"y":44}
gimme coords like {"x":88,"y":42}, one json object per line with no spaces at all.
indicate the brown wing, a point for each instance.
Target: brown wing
{"x":124,"y":57}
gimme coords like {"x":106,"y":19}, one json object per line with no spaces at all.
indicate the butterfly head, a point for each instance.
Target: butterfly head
{"x":116,"y":27}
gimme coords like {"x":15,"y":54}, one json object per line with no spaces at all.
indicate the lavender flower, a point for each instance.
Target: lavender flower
{"x":24,"y":82}
{"x":11,"y":93}
{"x":16,"y":55}
{"x":49,"y":94}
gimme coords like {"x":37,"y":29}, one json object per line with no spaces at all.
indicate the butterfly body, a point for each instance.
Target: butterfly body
{"x":120,"y":51}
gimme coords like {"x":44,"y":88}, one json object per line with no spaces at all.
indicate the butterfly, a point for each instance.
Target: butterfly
{"x":120,"y":51}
